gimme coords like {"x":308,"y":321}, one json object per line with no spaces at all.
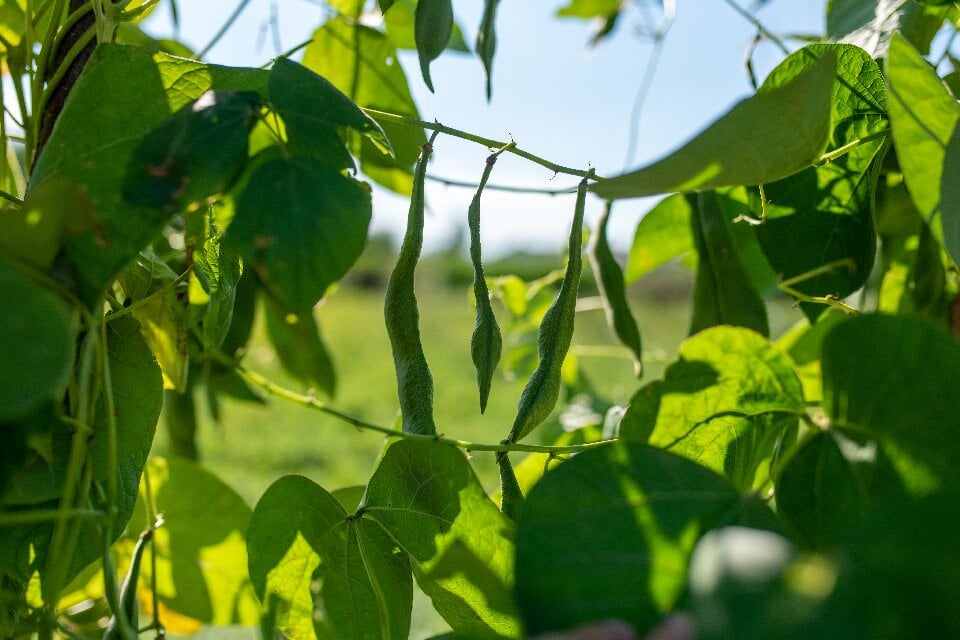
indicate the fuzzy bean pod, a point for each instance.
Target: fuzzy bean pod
{"x":556,"y":332}
{"x":414,"y":381}
{"x":613,"y":292}
{"x":486,"y":343}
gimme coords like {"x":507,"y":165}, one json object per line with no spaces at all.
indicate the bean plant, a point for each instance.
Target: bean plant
{"x":801,"y":485}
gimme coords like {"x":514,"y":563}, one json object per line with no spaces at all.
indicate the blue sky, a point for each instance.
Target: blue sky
{"x":554,"y":95}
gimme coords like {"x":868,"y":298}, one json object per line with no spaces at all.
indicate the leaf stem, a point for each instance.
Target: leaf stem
{"x":850,"y":146}
{"x":9,"y":196}
{"x":311,"y":402}
{"x":772,"y":37}
{"x":787,"y":286}
{"x":232,"y":18}
{"x":466,"y":184}
{"x":488,"y":142}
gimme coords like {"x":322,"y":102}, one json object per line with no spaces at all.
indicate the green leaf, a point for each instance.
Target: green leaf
{"x":924,"y":117}
{"x":213,"y":289}
{"x":613,"y":291}
{"x":871,"y":23}
{"x":891,"y":379}
{"x":724,"y":293}
{"x":300,"y":534}
{"x":300,"y":347}
{"x":556,"y":332}
{"x":372,"y":80}
{"x":312,"y":108}
{"x":804,"y":344}
{"x":400,"y":21}
{"x":899,"y":579}
{"x":402,"y":317}
{"x":145,"y":90}
{"x":608,"y":535}
{"x":830,"y":482}
{"x":197,"y":152}
{"x":201,"y":571}
{"x":37,"y":333}
{"x":821,"y":219}
{"x":589,"y":9}
{"x":487,"y":40}
{"x":33,"y":232}
{"x":433,"y":25}
{"x":428,"y":499}
{"x":663,"y":234}
{"x":300,"y":226}
{"x":724,"y":404}
{"x":766,"y":137}
{"x":137,"y":397}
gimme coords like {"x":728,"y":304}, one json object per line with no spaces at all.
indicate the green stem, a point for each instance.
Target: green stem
{"x":772,"y":37}
{"x":223,"y":29}
{"x":150,"y":298}
{"x":787,"y":286}
{"x":9,"y":196}
{"x":487,"y":142}
{"x":113,"y":460}
{"x":466,"y":184}
{"x":839,"y":151}
{"x":18,"y":518}
{"x":311,"y":402}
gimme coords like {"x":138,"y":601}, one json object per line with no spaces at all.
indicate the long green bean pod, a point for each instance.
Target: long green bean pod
{"x":414,"y":381}
{"x":128,"y":592}
{"x":486,"y":343}
{"x":613,"y":291}
{"x":556,"y":332}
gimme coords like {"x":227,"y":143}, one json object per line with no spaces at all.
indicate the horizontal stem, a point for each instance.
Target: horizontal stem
{"x":18,"y":518}
{"x":466,"y":184}
{"x":311,"y":402}
{"x":850,"y":146}
{"x":488,"y":142}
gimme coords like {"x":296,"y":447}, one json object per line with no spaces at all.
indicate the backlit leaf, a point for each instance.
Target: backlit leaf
{"x":724,"y":404}
{"x":822,"y":218}
{"x":924,"y":118}
{"x":428,"y":499}
{"x":609,"y":533}
{"x":662,"y":235}
{"x":299,"y":225}
{"x":766,"y":137}
{"x":300,"y":534}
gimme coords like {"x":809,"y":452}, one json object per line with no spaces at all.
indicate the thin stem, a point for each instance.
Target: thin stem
{"x":145,"y":301}
{"x":488,"y":142}
{"x":9,"y":196}
{"x":113,"y":461}
{"x":466,"y":184}
{"x":311,"y":402}
{"x":223,"y":29}
{"x":18,"y":518}
{"x":646,"y":81}
{"x":788,"y":286}
{"x":772,"y":37}
{"x":850,"y":146}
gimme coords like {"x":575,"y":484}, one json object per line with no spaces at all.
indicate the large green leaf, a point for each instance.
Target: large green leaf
{"x":724,"y":404}
{"x":871,"y":23}
{"x":201,"y":554}
{"x":36,"y":344}
{"x":723,"y":293}
{"x":300,"y":534}
{"x":822,"y":217}
{"x":313,"y":109}
{"x":924,"y":119}
{"x":300,"y":225}
{"x":892,"y":379}
{"x":428,"y":499}
{"x":663,"y":234}
{"x":362,"y":63}
{"x":197,"y":152}
{"x":768,"y":136}
{"x":829,"y":482}
{"x":94,"y":138}
{"x":296,"y":339}
{"x":609,"y":535}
